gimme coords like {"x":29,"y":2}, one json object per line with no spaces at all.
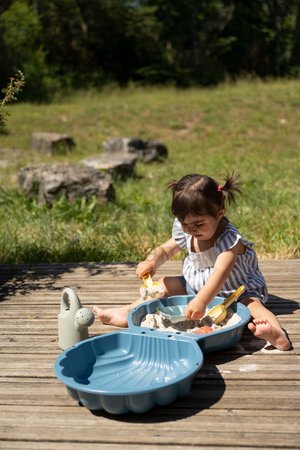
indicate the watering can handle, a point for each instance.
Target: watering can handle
{"x":69,"y":301}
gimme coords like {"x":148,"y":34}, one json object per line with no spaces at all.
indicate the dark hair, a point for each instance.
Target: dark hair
{"x":201,"y":195}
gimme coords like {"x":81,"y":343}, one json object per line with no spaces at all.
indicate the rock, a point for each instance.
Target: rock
{"x":51,"y":143}
{"x":48,"y":182}
{"x":118,"y":164}
{"x":146,"y":151}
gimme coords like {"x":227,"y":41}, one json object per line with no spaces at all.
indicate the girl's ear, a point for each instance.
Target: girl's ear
{"x":221,"y":213}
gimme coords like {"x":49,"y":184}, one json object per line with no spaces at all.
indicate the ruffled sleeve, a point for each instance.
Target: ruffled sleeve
{"x":230,"y":238}
{"x":178,"y":234}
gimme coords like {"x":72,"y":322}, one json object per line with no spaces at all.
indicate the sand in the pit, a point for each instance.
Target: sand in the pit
{"x":155,"y":320}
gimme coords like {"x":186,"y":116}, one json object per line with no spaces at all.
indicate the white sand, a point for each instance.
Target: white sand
{"x":151,"y":292}
{"x":155,"y":320}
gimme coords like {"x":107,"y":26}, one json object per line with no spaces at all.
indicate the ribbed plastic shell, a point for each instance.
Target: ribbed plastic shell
{"x":125,"y":371}
{"x":138,"y":368}
{"x":218,"y":340}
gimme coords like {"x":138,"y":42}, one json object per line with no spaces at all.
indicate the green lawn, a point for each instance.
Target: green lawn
{"x":250,"y":127}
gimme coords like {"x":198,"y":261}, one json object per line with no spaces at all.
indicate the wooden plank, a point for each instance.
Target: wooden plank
{"x":276,"y":439}
{"x":192,"y":427}
{"x":200,"y":398}
{"x":17,"y":445}
{"x":252,"y":394}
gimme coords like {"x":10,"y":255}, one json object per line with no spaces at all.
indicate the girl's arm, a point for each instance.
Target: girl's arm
{"x":157,"y":257}
{"x":223,"y":266}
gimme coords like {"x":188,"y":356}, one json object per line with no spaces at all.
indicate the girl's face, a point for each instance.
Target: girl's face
{"x":203,"y":227}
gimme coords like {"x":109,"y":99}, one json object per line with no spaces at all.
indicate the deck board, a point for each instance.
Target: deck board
{"x":245,"y":397}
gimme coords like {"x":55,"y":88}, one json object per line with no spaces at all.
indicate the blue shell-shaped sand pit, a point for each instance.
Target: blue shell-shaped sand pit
{"x":211,"y":342}
{"x":138,"y":368}
{"x":129,"y":371}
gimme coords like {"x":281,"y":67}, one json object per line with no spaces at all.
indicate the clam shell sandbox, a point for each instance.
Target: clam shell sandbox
{"x":220,"y":339}
{"x":138,"y":368}
{"x":121,"y":371}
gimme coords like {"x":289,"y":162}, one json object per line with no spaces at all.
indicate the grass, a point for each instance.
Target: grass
{"x":250,"y":127}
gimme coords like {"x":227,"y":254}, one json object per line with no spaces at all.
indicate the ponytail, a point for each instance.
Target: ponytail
{"x":231,"y":187}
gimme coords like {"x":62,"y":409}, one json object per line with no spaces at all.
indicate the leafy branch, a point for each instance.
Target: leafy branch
{"x":11,"y":92}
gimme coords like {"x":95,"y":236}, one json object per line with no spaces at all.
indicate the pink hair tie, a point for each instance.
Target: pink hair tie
{"x":220,"y":188}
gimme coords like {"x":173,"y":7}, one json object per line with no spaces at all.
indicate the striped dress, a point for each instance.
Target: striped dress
{"x":198,"y":266}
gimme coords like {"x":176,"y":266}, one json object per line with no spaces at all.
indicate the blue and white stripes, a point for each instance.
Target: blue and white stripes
{"x":198,"y":266}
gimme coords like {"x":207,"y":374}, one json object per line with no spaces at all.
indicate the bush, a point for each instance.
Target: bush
{"x":21,"y":30}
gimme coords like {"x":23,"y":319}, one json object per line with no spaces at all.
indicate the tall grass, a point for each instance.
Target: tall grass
{"x":251,"y":127}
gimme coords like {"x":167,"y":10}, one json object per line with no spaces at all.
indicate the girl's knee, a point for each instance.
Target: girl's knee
{"x":172,"y":285}
{"x":252,"y":301}
{"x":257,"y":308}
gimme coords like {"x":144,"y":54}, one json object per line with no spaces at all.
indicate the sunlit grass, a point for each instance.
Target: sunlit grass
{"x":251,"y":127}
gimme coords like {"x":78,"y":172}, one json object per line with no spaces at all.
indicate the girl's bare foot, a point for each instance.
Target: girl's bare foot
{"x":112,"y":316}
{"x":263,"y":329}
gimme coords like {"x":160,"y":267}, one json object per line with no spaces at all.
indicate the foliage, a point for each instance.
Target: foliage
{"x":21,"y":49}
{"x":13,"y":88}
{"x":266,"y":33}
{"x":65,"y":44}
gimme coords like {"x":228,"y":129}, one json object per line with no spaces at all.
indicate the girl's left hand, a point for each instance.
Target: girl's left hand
{"x":194,"y":310}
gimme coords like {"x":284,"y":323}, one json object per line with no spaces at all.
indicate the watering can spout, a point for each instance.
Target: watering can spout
{"x":73,"y":320}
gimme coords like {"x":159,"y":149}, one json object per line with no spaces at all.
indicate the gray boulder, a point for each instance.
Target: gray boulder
{"x":47,"y":182}
{"x":146,"y":151}
{"x":51,"y":143}
{"x":118,"y":164}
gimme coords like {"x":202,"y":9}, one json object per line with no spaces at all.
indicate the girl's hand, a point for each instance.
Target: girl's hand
{"x":146,"y":267}
{"x":157,"y":257}
{"x":195,"y":310}
{"x":223,"y":266}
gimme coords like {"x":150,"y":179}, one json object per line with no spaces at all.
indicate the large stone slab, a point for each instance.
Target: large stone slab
{"x":146,"y":151}
{"x":51,"y":143}
{"x":47,"y":182}
{"x":119,"y":165}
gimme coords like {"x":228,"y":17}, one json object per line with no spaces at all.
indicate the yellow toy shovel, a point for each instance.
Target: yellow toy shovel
{"x":218,"y":313}
{"x":150,"y":288}
{"x":147,"y":279}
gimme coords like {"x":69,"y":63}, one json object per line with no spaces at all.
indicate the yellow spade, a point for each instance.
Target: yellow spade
{"x":148,"y":282}
{"x":219,"y":312}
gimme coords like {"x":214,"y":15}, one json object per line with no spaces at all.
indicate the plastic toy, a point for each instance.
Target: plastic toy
{"x":218,"y":340}
{"x":173,"y":313}
{"x":73,"y":320}
{"x":137,"y":368}
{"x":150,"y":288}
{"x":129,"y":371}
{"x":218,"y":313}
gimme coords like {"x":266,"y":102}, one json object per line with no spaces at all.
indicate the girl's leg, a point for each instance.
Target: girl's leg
{"x":118,"y":316}
{"x":265,"y":325}
{"x":115,"y":316}
{"x":172,"y":285}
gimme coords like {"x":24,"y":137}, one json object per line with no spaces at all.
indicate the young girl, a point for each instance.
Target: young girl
{"x":219,"y":259}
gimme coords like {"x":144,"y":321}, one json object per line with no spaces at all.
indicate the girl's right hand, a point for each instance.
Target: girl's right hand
{"x":194,"y":310}
{"x":145,"y":267}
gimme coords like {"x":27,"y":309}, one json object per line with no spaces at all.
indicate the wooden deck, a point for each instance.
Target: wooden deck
{"x":245,"y":397}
